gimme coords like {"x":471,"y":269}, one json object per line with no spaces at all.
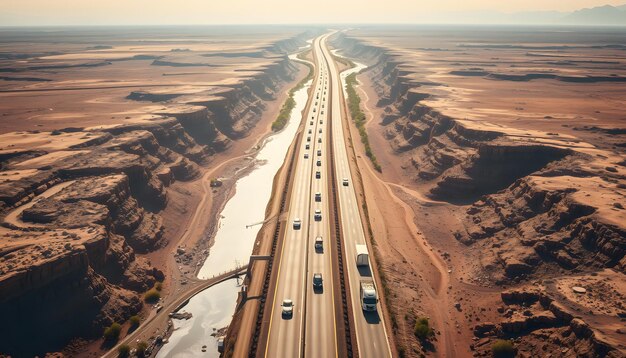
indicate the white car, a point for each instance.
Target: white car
{"x":318,"y":215}
{"x":306,"y":155}
{"x":345,"y":181}
{"x":297,"y":224}
{"x":287,"y":307}
{"x":318,"y":197}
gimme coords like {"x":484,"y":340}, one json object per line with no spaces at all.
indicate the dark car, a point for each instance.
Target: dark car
{"x":319,"y":244}
{"x":317,"y":281}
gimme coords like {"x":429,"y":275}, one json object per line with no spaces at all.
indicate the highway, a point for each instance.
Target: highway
{"x":311,"y":330}
{"x":313,"y":317}
{"x":371,"y":335}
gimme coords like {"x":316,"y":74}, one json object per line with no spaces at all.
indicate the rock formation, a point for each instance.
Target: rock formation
{"x":79,"y":206}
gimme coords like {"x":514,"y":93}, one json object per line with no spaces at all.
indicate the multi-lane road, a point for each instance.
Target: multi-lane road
{"x":313,"y":316}
{"x":369,"y":327}
{"x":311,"y":329}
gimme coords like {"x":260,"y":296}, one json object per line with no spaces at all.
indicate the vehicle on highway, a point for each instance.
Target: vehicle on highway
{"x":307,"y":147}
{"x":318,"y":175}
{"x":313,"y":110}
{"x":369,"y":298}
{"x":321,"y":121}
{"x":310,"y":130}
{"x":297,"y":224}
{"x":317,"y":280}
{"x":306,"y":155}
{"x":322,"y":112}
{"x":362,"y":256}
{"x":287,"y":307}
{"x":345,"y":181}
{"x":318,"y":215}
{"x":319,"y":163}
{"x":320,"y":130}
{"x":319,"y":152}
{"x":311,"y":123}
{"x":319,"y":244}
{"x":319,"y":140}
{"x":318,"y":197}
{"x":308,"y":139}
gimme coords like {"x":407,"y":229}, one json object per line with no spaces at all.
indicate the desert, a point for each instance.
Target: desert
{"x":502,"y":184}
{"x":373,"y":189}
{"x":107,"y":136}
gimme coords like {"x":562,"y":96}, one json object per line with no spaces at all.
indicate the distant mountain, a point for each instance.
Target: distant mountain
{"x":606,"y":15}
{"x":600,"y":15}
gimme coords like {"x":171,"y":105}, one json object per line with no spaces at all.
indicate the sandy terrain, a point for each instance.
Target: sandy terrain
{"x":85,"y":80}
{"x":117,"y":152}
{"x":470,"y":127}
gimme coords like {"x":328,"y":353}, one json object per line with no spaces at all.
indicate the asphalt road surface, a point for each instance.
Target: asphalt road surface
{"x":310,"y":330}
{"x":371,"y":336}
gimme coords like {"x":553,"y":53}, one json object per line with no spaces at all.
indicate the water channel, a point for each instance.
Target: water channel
{"x":213,"y":308}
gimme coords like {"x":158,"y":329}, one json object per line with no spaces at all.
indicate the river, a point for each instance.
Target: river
{"x":213,"y":308}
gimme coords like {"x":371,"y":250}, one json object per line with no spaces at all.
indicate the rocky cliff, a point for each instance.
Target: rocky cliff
{"x":79,"y":211}
{"x":535,"y":201}
{"x":537,"y":204}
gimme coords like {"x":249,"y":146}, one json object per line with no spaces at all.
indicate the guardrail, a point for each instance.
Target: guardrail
{"x":342,"y":278}
{"x":268,"y":271}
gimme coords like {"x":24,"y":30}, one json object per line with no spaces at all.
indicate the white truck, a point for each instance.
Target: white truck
{"x":369,"y":298}
{"x":362,"y":256}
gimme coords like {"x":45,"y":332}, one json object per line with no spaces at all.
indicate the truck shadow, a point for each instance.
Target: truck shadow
{"x":371,"y":317}
{"x":365,"y":271}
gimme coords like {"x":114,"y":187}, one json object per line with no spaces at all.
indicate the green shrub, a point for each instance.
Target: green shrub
{"x":354,"y":105}
{"x":503,"y":348}
{"x":290,"y":103}
{"x":123,"y":351}
{"x":422,"y":329}
{"x":141,"y":349}
{"x":134,"y":322}
{"x":112,"y":333}
{"x":152,"y":295}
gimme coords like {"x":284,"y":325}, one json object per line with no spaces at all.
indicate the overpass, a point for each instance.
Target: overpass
{"x":157,"y":321}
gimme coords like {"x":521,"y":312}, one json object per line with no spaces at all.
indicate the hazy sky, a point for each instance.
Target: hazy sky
{"x":141,"y":12}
